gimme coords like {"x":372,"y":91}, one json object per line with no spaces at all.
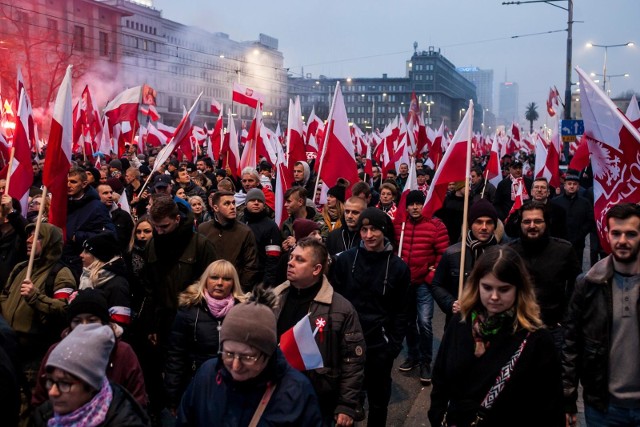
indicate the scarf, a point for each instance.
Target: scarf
{"x":515,"y":182}
{"x":478,"y":247}
{"x":90,"y":414}
{"x":219,"y":307}
{"x":484,"y":327}
{"x":329,"y":215}
{"x":86,"y":282}
{"x":389,"y":209}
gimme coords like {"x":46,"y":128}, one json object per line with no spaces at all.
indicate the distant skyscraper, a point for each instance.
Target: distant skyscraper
{"x":508,"y":108}
{"x":483,"y":79}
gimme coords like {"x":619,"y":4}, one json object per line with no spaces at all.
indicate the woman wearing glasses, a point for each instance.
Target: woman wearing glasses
{"x":250,"y":383}
{"x":195,"y":334}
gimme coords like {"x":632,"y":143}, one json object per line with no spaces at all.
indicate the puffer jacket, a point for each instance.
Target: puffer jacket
{"x":423,"y":244}
{"x":587,"y":338}
{"x":341,"y":344}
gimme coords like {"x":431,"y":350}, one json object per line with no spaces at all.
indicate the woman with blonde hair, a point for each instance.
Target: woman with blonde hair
{"x":195,"y":334}
{"x":497,"y":365}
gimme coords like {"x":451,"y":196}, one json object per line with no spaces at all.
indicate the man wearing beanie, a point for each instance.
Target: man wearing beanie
{"x":482,"y":220}
{"x":552,"y":264}
{"x":422,"y":241}
{"x":267,"y":236}
{"x":90,"y":307}
{"x":376,"y":282}
{"x":228,"y":390}
{"x":79,"y":391}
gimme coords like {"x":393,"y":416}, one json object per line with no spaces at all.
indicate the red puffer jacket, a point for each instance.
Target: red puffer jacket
{"x":424,"y":242}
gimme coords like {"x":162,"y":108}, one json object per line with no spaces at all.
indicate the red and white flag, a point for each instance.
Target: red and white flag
{"x":124,"y":107}
{"x":155,"y":138}
{"x":521,"y":192}
{"x":553,"y":101}
{"x":614,"y":144}
{"x":230,"y":152}
{"x":296,"y":151}
{"x":216,"y":106}
{"x":633,"y":111}
{"x":58,"y":159}
{"x":247,"y":96}
{"x":493,"y":171}
{"x":453,"y":167}
{"x":411,"y":184}
{"x":215,"y":140}
{"x":151,"y":112}
{"x":21,"y":171}
{"x":299,"y":346}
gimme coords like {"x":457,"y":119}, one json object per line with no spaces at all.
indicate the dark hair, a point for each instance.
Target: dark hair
{"x":219,"y":195}
{"x":623,"y":211}
{"x":320,"y":252}
{"x":163,"y":207}
{"x":507,"y":266}
{"x":542,"y":178}
{"x":361,"y":187}
{"x":389,"y":186}
{"x":78,"y":171}
{"x":477,"y":170}
{"x":300,"y":191}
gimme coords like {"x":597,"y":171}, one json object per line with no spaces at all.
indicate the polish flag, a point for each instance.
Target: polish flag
{"x":58,"y":159}
{"x":411,"y":184}
{"x":296,"y":151}
{"x":21,"y":172}
{"x":314,"y":127}
{"x":284,"y":180}
{"x":151,"y":112}
{"x":521,"y":192}
{"x":124,"y":107}
{"x":247,"y":96}
{"x":453,"y":167}
{"x":216,"y":106}
{"x":435,"y":151}
{"x":215,"y":139}
{"x":250,"y":156}
{"x":553,"y":101}
{"x":299,"y":346}
{"x":338,"y":158}
{"x":614,"y":144}
{"x":493,"y":172}
{"x":120,"y":314}
{"x":580,"y":159}
{"x":154,"y":137}
{"x":633,"y":111}
{"x":230,"y":151}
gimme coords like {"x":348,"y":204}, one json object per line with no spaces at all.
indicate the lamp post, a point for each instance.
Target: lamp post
{"x":609,"y":77}
{"x":429,"y":104}
{"x":604,"y":66}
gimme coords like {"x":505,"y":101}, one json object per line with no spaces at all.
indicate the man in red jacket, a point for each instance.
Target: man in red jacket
{"x":422,"y":244}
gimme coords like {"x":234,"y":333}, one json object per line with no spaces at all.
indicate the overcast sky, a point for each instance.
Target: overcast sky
{"x":366,"y":38}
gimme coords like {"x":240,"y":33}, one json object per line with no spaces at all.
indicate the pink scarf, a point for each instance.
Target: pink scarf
{"x":219,"y":307}
{"x":90,"y":414}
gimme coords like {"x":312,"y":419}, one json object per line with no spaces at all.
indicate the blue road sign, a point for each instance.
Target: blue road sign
{"x":571,"y":127}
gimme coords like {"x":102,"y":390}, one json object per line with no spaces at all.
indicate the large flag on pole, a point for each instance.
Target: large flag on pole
{"x":296,"y":151}
{"x":614,"y":144}
{"x":21,"y":171}
{"x":124,"y":107}
{"x":453,"y":166}
{"x":58,"y":158}
{"x":247,"y":96}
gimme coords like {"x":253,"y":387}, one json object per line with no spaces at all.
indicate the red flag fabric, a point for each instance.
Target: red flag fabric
{"x":216,"y":106}
{"x":580,"y":159}
{"x":58,"y":159}
{"x":154,"y":137}
{"x":151,"y":112}
{"x":435,"y":151}
{"x":124,"y":107}
{"x":247,"y":96}
{"x":299,"y":346}
{"x":215,"y":140}
{"x":296,"y":151}
{"x":250,"y":156}
{"x":519,"y":200}
{"x":411,"y":184}
{"x":614,"y":144}
{"x":553,"y":101}
{"x":453,"y":166}
{"x":21,"y":171}
{"x":230,"y":152}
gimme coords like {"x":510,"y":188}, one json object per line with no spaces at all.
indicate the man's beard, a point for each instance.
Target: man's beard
{"x":630,"y":259}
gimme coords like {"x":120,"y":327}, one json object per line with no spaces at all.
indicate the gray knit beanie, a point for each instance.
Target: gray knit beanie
{"x":253,"y":324}
{"x":85,"y":353}
{"x":255,"y":194}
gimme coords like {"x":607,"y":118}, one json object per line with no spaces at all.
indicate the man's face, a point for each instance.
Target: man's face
{"x":415,"y":210}
{"x":302,"y":268}
{"x":298,"y":173}
{"x":249,"y":182}
{"x":183,"y":176}
{"x":475,"y":178}
{"x":421,"y":179}
{"x":255,"y":206}
{"x":225,"y":209}
{"x":404,"y":169}
{"x":419,"y":166}
{"x":352,"y":213}
{"x":376,"y":172}
{"x":30,"y":245}
{"x":571,"y":187}
{"x":75,"y":186}
{"x":482,"y":228}
{"x":539,"y":191}
{"x":166,"y":225}
{"x":201,"y":166}
{"x":532,"y":224}
{"x":293,"y":204}
{"x":106,"y":195}
{"x":372,"y":237}
{"x":391,"y":175}
{"x":36,"y":168}
{"x":515,"y":171}
{"x":624,"y":239}
{"x":129,"y":177}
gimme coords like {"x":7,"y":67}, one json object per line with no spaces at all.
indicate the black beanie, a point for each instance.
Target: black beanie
{"x":415,"y":196}
{"x":482,"y":207}
{"x":337,"y":191}
{"x":89,"y":301}
{"x":103,"y":246}
{"x":374,"y":217}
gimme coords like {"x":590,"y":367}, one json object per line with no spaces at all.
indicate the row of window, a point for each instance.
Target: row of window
{"x":423,"y":77}
{"x":423,"y":67}
{"x":138,"y":26}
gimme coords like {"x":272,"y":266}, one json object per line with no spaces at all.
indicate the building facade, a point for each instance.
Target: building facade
{"x":508,"y":108}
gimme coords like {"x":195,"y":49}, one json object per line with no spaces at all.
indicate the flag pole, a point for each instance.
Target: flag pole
{"x":401,"y":238}
{"x":484,"y":186}
{"x":326,"y":138}
{"x":36,"y":233}
{"x":8,"y":180}
{"x":465,"y":224}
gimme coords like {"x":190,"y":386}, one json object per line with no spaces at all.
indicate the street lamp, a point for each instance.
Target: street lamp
{"x":429,"y":104}
{"x":462,"y":110}
{"x":604,"y":66}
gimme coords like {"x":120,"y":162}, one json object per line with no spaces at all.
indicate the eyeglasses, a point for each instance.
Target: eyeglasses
{"x":532,"y":221}
{"x":245,"y":359}
{"x":63,"y":386}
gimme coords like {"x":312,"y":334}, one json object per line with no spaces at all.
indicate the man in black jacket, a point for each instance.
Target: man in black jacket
{"x":602,"y":338}
{"x":348,"y":235}
{"x":508,"y":187}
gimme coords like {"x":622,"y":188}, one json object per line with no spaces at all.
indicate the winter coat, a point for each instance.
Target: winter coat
{"x":235,"y":243}
{"x":587,"y":338}
{"x":116,"y":291}
{"x":530,"y":398}
{"x":377,"y":284}
{"x":341,"y":240}
{"x":580,"y":220}
{"x":194,"y":339}
{"x":13,"y":244}
{"x":39,"y":319}
{"x":123,"y":411}
{"x":123,"y":369}
{"x":269,"y":245}
{"x":341,"y":344}
{"x":423,"y":244}
{"x":124,"y":227}
{"x":214,"y":399}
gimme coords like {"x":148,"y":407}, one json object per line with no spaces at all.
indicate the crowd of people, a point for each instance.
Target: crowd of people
{"x":165,"y":297}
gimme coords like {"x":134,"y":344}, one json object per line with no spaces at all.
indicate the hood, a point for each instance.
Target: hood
{"x":307,"y":172}
{"x":52,"y":242}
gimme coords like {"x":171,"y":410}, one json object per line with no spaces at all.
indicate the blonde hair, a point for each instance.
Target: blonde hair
{"x":222,"y":268}
{"x":507,"y":266}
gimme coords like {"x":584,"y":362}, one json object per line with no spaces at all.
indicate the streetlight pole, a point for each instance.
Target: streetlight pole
{"x":604,"y":65}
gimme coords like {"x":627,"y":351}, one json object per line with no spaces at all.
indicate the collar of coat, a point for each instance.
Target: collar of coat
{"x":324,"y":295}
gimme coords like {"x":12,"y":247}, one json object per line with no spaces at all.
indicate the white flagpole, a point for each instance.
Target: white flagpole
{"x":465,"y":225}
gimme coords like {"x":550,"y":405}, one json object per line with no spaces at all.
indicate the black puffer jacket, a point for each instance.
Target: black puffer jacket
{"x":123,"y":411}
{"x":580,"y":219}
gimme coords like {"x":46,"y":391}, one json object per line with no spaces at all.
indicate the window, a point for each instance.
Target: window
{"x":104,"y":44}
{"x":52,"y":26}
{"x":78,"y":37}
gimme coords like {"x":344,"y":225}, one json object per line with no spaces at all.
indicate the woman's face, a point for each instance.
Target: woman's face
{"x":65,"y":402}
{"x":331,"y":201}
{"x":496,"y":296}
{"x":386,"y":196}
{"x":196,"y":206}
{"x":242,"y":361}
{"x":144,"y":231}
{"x":87,"y":258}
{"x":219,"y":286}
{"x":180,"y":193}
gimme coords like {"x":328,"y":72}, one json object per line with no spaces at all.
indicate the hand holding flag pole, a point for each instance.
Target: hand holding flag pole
{"x":8,"y":179}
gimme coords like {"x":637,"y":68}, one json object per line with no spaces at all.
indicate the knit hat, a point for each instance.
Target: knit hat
{"x":415,"y":196}
{"x":84,"y":353}
{"x":103,"y":246}
{"x":116,"y":164}
{"x":253,"y":324}
{"x":303,"y":227}
{"x":482,"y":207}
{"x":89,"y":301}
{"x":115,"y":184}
{"x":255,"y":194}
{"x":337,"y":191}
{"x":374,"y":217}
{"x":95,"y":173}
